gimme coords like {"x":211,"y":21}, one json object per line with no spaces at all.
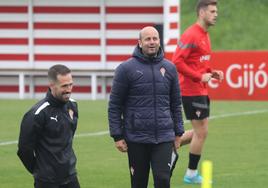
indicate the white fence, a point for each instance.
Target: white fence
{"x":91,"y":37}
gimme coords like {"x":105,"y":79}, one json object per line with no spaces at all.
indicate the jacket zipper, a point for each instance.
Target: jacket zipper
{"x":154,"y":98}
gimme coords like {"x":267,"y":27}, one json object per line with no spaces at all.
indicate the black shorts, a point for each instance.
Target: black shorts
{"x":196,"y":107}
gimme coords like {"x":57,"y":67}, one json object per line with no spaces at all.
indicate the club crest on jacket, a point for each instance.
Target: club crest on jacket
{"x":198,"y":113}
{"x":163,"y":71}
{"x":71,"y":113}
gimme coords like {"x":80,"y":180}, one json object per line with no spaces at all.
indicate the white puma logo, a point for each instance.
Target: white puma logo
{"x":54,"y":118}
{"x":138,"y":71}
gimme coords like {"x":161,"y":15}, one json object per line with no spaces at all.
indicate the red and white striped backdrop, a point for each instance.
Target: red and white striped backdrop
{"x":82,"y":34}
{"x":97,"y":34}
{"x":171,"y":26}
{"x":14,"y":33}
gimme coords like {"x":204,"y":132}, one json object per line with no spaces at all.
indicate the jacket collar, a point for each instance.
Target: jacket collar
{"x":145,"y":59}
{"x":54,"y":101}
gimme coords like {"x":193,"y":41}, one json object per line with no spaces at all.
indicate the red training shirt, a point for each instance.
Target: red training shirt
{"x":192,"y":58}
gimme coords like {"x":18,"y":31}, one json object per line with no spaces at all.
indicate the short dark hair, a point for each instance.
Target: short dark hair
{"x":56,"y":70}
{"x":204,"y":3}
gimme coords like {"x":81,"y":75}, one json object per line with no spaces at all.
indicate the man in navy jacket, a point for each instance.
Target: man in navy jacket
{"x":145,"y":116}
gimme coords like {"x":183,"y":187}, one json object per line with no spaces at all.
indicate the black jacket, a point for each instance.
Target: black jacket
{"x":45,"y":141}
{"x":145,"y":102}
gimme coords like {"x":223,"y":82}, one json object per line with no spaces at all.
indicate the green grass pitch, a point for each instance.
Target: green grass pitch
{"x":236,"y":144}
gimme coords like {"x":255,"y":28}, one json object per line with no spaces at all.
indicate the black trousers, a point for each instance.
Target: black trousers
{"x":72,"y":184}
{"x":143,"y":156}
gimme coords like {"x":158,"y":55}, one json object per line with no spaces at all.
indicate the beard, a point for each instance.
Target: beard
{"x":64,"y":97}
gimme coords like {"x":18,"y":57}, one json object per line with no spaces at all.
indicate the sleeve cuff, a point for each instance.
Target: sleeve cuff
{"x":118,"y":137}
{"x":179,"y":134}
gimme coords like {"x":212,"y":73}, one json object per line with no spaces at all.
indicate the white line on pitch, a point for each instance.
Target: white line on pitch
{"x":107,"y":132}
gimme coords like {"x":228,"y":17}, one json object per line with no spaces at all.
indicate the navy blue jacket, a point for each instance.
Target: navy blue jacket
{"x":145,"y":102}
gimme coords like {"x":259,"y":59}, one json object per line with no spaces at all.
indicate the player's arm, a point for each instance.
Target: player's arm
{"x":176,"y":108}
{"x":26,"y":142}
{"x":115,"y":109}
{"x":185,"y":47}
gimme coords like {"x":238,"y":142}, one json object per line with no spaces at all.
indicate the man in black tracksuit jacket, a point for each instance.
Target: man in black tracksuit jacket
{"x":145,"y":116}
{"x":46,"y":134}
